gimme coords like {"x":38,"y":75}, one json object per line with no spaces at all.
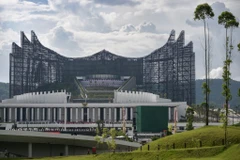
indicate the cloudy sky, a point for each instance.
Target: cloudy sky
{"x":132,"y":28}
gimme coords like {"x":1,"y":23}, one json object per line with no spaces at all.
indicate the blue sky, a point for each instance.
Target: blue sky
{"x":133,"y":28}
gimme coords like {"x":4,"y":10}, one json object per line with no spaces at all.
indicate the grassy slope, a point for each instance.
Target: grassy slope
{"x":233,"y":153}
{"x":207,"y":153}
{"x":206,"y":134}
{"x":152,"y":155}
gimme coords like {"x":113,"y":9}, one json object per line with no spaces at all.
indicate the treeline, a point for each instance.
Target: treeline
{"x":216,"y":98}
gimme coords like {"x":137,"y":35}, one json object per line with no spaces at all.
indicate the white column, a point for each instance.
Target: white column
{"x":21,"y":114}
{"x":15,"y":114}
{"x":32,"y":114}
{"x":54,"y":114}
{"x":4,"y":114}
{"x":60,"y":114}
{"x":29,"y":150}
{"x":121,"y":114}
{"x":43,"y":114}
{"x":176,"y":110}
{"x":98,"y":113}
{"x":76,"y":114}
{"x":49,"y":114}
{"x":131,"y":114}
{"x":82,"y":114}
{"x":65,"y":118}
{"x":110,"y":114}
{"x":38,"y":114}
{"x":71,"y":115}
{"x":66,"y":150}
{"x":169,"y":113}
{"x":27,"y":114}
{"x":115,"y":114}
{"x":88,"y":114}
{"x":126,"y":113}
{"x":104,"y":114}
{"x":93,"y":117}
{"x":9,"y":114}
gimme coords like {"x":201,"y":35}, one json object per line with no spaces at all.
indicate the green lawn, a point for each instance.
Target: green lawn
{"x":206,"y":134}
{"x":147,"y":155}
{"x":208,"y":152}
{"x":233,"y":153}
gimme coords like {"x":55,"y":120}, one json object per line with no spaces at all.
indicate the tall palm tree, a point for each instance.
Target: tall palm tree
{"x":228,"y":20}
{"x":204,"y":12}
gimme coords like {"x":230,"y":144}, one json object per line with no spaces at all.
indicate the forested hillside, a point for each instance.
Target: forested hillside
{"x":4,"y":91}
{"x":216,"y":92}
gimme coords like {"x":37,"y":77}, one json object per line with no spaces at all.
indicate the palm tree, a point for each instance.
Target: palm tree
{"x":204,"y":12}
{"x":228,"y":20}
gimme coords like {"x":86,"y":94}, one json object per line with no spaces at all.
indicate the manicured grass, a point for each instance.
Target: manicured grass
{"x":205,"y":134}
{"x":206,"y":153}
{"x":232,"y":153}
{"x":147,"y":155}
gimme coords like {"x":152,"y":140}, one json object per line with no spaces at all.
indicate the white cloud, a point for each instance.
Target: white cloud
{"x":8,"y":2}
{"x":117,"y":2}
{"x":63,"y":41}
{"x":216,"y":73}
{"x":109,"y":17}
{"x":127,"y":28}
{"x":7,"y":37}
{"x":147,"y":27}
{"x":114,"y":25}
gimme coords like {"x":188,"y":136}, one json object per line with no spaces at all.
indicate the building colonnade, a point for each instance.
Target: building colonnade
{"x":74,"y":114}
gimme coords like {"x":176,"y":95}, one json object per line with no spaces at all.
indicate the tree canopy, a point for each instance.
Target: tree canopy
{"x":227,"y":19}
{"x":203,"y":11}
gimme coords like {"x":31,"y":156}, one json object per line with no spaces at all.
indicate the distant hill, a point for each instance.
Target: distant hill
{"x":4,"y":91}
{"x":216,"y":92}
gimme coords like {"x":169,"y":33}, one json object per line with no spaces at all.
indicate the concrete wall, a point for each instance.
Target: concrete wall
{"x":42,"y":150}
{"x":49,"y":150}
{"x":137,"y":97}
{"x":39,"y":97}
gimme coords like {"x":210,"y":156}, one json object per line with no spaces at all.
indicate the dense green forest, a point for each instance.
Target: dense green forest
{"x":215,"y":95}
{"x":4,"y":91}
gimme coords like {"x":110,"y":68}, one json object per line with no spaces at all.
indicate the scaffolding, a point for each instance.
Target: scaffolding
{"x":168,"y":71}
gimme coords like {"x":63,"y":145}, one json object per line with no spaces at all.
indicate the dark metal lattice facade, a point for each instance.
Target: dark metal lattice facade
{"x":169,"y":70}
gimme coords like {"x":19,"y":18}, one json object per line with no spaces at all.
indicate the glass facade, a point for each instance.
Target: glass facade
{"x":168,"y":71}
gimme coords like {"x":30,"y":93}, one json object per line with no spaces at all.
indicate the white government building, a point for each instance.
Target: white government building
{"x":54,"y":108}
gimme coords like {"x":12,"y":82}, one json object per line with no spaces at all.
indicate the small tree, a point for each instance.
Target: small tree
{"x":120,"y":133}
{"x":190,"y":116}
{"x":97,"y":138}
{"x":204,"y":12}
{"x":100,"y":125}
{"x":112,"y":133}
{"x":228,"y":20}
{"x":170,"y":128}
{"x":100,"y":136}
{"x":112,"y":143}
